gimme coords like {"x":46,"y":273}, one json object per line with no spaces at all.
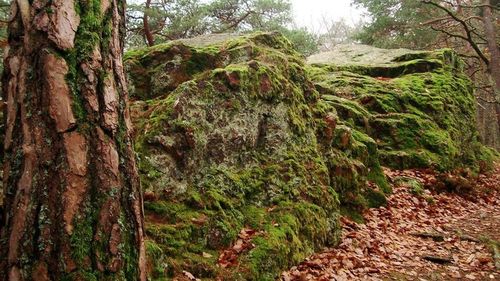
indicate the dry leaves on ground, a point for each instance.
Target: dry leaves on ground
{"x":390,"y":244}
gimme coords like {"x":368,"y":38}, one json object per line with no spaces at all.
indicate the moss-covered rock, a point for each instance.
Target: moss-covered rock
{"x":233,"y":134}
{"x":242,"y":140}
{"x":158,"y":70}
{"x":418,"y":106}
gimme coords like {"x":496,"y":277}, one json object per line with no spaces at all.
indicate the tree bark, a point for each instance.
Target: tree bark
{"x":147,"y":28}
{"x":73,"y":207}
{"x":494,"y":65}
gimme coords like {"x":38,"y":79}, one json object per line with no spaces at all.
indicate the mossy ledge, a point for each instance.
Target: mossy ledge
{"x":233,"y":132}
{"x":418,"y":106}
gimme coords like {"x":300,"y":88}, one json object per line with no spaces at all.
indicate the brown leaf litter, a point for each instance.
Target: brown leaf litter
{"x":432,"y":236}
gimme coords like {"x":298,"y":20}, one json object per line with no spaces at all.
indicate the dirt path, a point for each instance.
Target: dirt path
{"x":428,"y":236}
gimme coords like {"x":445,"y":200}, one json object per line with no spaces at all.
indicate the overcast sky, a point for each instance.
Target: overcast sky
{"x":310,"y":12}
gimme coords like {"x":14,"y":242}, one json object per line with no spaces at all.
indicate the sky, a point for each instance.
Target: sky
{"x":310,"y":13}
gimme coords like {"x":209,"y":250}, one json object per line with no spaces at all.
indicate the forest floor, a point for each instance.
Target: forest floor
{"x":419,"y":235}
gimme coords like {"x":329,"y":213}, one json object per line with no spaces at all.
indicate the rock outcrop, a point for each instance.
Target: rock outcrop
{"x":418,"y":106}
{"x":243,"y":140}
{"x":247,"y":150}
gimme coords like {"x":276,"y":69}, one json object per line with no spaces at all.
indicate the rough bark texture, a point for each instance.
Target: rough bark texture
{"x":72,"y":196}
{"x":494,"y":65}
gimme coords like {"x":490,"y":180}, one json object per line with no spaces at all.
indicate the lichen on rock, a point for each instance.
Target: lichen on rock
{"x":239,"y":132}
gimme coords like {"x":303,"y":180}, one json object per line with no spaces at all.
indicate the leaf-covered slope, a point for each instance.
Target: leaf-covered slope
{"x":243,"y":141}
{"x":418,"y":106}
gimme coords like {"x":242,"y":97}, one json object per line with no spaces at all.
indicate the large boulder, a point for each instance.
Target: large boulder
{"x":233,"y":138}
{"x":418,"y":106}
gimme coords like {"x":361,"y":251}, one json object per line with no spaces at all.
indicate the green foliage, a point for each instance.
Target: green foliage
{"x":397,"y":24}
{"x":249,"y":15}
{"x":178,"y":19}
{"x":303,"y":41}
{"x":168,"y":19}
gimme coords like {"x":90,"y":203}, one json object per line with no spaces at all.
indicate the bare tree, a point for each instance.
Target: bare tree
{"x":473,"y":23}
{"x":335,"y":32}
{"x":491,"y":39}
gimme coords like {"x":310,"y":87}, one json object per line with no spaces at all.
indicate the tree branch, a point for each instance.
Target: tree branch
{"x":466,"y":28}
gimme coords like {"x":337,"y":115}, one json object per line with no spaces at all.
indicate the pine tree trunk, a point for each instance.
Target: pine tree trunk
{"x":494,"y":65}
{"x":147,"y":29}
{"x":73,"y":208}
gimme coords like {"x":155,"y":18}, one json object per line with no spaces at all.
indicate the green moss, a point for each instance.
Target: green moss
{"x":93,"y":29}
{"x":156,"y":259}
{"x":377,"y":176}
{"x":486,"y":157}
{"x":283,"y":243}
{"x":234,"y":134}
{"x":171,"y":211}
{"x":249,"y":130}
{"x":353,"y":213}
{"x":375,"y":198}
{"x":255,"y":217}
{"x":414,"y":185}
{"x":414,"y":118}
{"x":81,"y":238}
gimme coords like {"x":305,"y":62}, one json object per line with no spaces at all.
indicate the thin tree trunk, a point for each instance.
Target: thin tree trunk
{"x":494,"y":65}
{"x":73,"y":208}
{"x":147,"y":28}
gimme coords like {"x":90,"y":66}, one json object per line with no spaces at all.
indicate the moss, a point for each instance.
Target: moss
{"x":377,"y":176}
{"x":171,"y":211}
{"x":255,"y":217}
{"x":228,"y":146}
{"x":223,"y":229}
{"x":375,"y":198}
{"x":414,"y":186}
{"x":81,"y":238}
{"x":283,"y":243}
{"x":487,"y":157}
{"x":430,"y":200}
{"x":93,"y":29}
{"x":414,"y":118}
{"x":156,"y":259}
{"x":353,"y":213}
{"x":234,"y":134}
{"x":158,"y":70}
